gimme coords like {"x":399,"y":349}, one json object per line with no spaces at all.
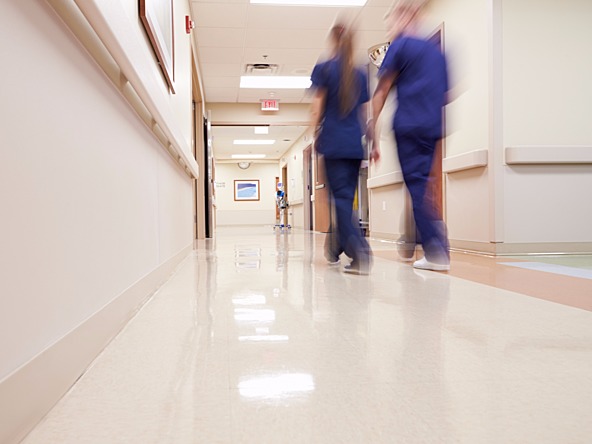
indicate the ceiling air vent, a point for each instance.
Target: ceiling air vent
{"x":261,"y":69}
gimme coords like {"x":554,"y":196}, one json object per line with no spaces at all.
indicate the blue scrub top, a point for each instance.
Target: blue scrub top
{"x":340,"y":137}
{"x":422,"y":84}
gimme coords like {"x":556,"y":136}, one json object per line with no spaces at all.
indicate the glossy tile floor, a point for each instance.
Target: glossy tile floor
{"x":255,"y":339}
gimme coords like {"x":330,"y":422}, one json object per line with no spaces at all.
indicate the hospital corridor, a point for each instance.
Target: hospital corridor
{"x":295,"y":222}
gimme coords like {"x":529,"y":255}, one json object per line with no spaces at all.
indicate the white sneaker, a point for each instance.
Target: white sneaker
{"x":424,"y":264}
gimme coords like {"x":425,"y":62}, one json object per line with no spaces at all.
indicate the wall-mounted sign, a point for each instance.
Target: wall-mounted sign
{"x":270,"y":105}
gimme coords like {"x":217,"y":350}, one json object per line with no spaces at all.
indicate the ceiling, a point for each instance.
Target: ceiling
{"x":231,"y":34}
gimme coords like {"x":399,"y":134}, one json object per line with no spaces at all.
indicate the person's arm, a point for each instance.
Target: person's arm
{"x":317,"y":110}
{"x":385,"y":83}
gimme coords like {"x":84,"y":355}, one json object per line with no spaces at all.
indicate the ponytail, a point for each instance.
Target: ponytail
{"x":349,"y":90}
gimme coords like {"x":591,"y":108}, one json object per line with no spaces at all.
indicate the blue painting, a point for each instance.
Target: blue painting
{"x":246,"y":190}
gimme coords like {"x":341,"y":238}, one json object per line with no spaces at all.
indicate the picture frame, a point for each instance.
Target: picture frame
{"x":157,"y":17}
{"x":246,"y":190}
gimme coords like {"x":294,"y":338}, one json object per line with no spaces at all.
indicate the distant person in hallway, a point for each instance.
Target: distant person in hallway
{"x":339,"y":112}
{"x":417,"y":69}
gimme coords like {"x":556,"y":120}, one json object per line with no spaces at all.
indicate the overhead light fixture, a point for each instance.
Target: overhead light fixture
{"x":310,"y":2}
{"x":248,"y":156}
{"x":275,"y":82}
{"x":254,"y":142}
{"x":261,"y":130}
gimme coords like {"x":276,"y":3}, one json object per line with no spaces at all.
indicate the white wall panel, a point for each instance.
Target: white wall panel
{"x":467,"y":205}
{"x":547,"y":94}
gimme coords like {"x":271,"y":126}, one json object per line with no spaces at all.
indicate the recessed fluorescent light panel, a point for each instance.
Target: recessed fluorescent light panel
{"x":253,"y":142}
{"x":261,"y":130}
{"x":310,"y":2}
{"x":248,"y":156}
{"x":275,"y":82}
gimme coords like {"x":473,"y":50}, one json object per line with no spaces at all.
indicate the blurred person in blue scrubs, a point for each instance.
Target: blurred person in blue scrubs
{"x":417,"y":69}
{"x":339,"y":114}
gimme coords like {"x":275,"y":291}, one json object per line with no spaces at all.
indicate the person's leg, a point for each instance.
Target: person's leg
{"x":342,"y":175}
{"x":416,"y":156}
{"x":332,"y":246}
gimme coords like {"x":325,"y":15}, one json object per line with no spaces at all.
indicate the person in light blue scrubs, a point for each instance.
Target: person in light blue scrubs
{"x":417,"y":69}
{"x":339,"y":113}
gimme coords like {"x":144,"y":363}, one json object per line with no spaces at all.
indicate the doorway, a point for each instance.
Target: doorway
{"x":286,"y":194}
{"x":198,"y":147}
{"x":436,"y":183}
{"x":322,"y":207}
{"x":307,"y":195}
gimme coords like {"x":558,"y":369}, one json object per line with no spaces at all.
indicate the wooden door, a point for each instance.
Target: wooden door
{"x":322,"y":197}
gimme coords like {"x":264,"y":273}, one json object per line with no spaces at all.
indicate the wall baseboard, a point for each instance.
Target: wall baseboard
{"x":506,"y":249}
{"x":544,"y":248}
{"x":32,"y":390}
{"x":487,"y":248}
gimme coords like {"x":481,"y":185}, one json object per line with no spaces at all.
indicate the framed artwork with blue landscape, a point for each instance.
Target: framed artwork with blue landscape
{"x":246,"y":190}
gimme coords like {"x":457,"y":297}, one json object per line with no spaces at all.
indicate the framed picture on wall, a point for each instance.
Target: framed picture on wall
{"x":157,"y":18}
{"x":246,"y":190}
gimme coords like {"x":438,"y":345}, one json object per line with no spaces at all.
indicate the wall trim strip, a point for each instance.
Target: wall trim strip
{"x":385,"y":180}
{"x":466,"y":161}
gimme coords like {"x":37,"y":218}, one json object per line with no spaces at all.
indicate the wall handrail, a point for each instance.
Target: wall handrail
{"x":125,"y":61}
{"x":548,"y":155}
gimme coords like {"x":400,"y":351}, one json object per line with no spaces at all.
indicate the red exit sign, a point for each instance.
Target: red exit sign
{"x":270,"y":105}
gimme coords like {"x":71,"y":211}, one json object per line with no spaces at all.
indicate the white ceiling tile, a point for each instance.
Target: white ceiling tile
{"x":385,"y":3}
{"x":221,"y":94}
{"x":296,"y":70}
{"x":291,"y":17}
{"x":195,"y":2}
{"x":220,"y":37}
{"x":221,"y":69}
{"x":371,"y":19}
{"x":285,"y":38}
{"x":219,"y":55}
{"x":219,"y":15}
{"x":222,"y":82}
{"x":281,"y":55}
{"x":367,"y":39}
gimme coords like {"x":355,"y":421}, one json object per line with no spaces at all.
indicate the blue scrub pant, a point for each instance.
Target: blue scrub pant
{"x":416,"y":156}
{"x":342,"y":176}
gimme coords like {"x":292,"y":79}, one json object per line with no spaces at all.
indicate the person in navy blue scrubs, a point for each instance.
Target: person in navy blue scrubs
{"x":417,"y":69}
{"x":339,"y":111}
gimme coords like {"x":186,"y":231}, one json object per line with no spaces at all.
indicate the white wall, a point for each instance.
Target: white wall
{"x":91,"y":202}
{"x":547,"y":94}
{"x":231,"y":212}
